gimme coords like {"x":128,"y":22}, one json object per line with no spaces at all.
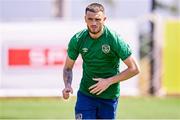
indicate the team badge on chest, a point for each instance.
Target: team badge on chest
{"x":106,"y":48}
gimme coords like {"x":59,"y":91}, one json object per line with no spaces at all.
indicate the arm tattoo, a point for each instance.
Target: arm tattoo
{"x":67,"y":75}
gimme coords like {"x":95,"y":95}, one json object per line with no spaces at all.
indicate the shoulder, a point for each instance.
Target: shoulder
{"x":79,"y":35}
{"x":112,"y":35}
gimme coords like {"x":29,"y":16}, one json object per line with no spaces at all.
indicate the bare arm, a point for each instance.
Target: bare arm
{"x":131,"y":70}
{"x":67,"y":71}
{"x":67,"y":77}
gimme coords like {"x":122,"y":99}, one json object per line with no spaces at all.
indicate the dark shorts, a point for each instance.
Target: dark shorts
{"x":88,"y":107}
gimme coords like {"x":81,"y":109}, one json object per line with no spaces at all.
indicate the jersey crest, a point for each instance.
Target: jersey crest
{"x":106,"y":48}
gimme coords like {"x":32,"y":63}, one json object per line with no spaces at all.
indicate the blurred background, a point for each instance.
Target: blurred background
{"x":34,"y":35}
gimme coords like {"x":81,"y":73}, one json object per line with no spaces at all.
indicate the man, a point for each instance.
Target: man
{"x":101,"y":50}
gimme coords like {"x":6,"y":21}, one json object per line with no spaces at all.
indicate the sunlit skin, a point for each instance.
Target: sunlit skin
{"x":95,"y":23}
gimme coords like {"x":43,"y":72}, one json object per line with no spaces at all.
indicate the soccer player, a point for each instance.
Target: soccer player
{"x":101,"y":50}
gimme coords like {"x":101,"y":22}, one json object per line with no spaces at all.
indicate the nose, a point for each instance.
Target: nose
{"x":94,"y":22}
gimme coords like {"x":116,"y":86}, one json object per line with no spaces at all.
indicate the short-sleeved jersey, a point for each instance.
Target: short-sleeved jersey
{"x":101,"y":59}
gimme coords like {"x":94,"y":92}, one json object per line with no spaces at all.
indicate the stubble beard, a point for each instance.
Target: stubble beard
{"x":94,"y":32}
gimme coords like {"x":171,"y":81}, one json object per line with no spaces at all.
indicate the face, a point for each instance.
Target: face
{"x":95,"y":21}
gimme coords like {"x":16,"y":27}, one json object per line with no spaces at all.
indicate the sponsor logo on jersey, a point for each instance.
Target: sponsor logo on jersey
{"x":106,"y":48}
{"x":84,"y":50}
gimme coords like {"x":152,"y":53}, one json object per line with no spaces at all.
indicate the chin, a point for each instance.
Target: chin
{"x":95,"y":32}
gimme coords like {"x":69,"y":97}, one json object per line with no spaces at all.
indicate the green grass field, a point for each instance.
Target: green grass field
{"x":57,"y":108}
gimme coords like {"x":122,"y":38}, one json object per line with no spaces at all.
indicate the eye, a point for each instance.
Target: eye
{"x":98,"y":19}
{"x":90,"y":19}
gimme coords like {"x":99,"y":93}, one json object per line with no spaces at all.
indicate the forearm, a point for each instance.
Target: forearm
{"x":124,"y":75}
{"x":67,"y":76}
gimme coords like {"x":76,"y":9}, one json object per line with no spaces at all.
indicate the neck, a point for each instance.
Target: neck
{"x":97,"y":35}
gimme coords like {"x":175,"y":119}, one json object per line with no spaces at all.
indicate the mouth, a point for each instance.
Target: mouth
{"x":93,"y":26}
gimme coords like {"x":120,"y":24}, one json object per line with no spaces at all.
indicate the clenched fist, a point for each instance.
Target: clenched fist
{"x":66,"y":92}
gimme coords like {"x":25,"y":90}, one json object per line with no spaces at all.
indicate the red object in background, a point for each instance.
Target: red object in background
{"x":18,"y":57}
{"x":36,"y":56}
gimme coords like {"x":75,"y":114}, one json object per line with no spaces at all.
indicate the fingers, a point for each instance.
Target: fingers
{"x":65,"y":95}
{"x":66,"y":92}
{"x":97,"y":91}
{"x":93,"y":86}
{"x":102,"y":90}
{"x":94,"y":89}
{"x":99,"y":87}
{"x":97,"y":79}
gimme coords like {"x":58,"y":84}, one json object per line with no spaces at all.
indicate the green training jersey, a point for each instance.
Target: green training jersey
{"x":101,"y":59}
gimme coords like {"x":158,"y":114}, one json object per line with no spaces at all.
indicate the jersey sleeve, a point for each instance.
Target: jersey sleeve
{"x":72,"y":50}
{"x":122,"y":48}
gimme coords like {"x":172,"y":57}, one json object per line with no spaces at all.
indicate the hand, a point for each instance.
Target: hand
{"x":66,"y":91}
{"x":100,"y":86}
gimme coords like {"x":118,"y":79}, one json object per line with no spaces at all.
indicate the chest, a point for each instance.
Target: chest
{"x":97,"y":49}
